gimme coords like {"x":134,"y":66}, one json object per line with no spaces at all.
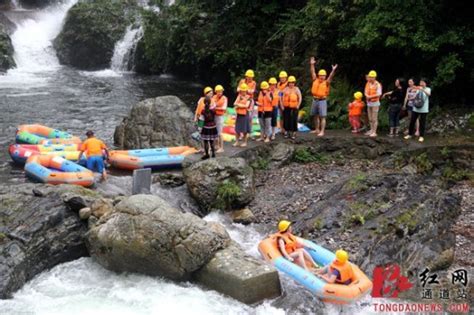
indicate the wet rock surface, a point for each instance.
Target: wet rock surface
{"x":38,"y":232}
{"x":145,"y":234}
{"x":150,"y":125}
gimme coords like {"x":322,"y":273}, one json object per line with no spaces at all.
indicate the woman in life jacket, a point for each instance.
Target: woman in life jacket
{"x":291,"y":249}
{"x":339,"y":271}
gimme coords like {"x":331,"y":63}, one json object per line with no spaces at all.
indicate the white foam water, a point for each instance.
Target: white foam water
{"x":83,"y":287}
{"x":124,"y":48}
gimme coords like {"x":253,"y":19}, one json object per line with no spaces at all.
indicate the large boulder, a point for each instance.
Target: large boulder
{"x":222,"y":183}
{"x":235,"y":273}
{"x":6,"y":47}
{"x":156,"y":122}
{"x":87,"y":39}
{"x":38,"y":230}
{"x":145,"y":234}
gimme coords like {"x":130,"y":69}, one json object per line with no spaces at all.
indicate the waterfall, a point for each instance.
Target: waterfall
{"x":16,"y":4}
{"x":125,"y":48}
{"x":33,"y":38}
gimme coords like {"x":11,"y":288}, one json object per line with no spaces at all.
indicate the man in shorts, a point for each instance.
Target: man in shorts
{"x":320,"y":92}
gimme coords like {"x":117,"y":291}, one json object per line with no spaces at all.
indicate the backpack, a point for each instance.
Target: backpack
{"x":419,"y":100}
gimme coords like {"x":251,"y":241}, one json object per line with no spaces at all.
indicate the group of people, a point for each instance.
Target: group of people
{"x":412,"y":100}
{"x":277,"y":104}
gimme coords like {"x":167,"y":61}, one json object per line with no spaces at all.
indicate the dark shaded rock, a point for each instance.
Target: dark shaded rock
{"x":6,"y":50}
{"x":164,"y":121}
{"x":220,"y":183}
{"x":76,"y":203}
{"x":91,"y":29}
{"x":36,"y":4}
{"x":145,"y":234}
{"x":169,"y":179}
{"x":37,"y":233}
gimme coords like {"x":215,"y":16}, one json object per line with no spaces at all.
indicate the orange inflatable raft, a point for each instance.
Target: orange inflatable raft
{"x":328,"y":292}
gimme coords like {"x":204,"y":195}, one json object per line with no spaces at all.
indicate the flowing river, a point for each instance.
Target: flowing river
{"x":41,"y":91}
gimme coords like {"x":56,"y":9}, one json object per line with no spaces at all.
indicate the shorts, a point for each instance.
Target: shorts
{"x":96,"y":162}
{"x":241,"y":124}
{"x":219,"y":123}
{"x":373,"y":104}
{"x":319,"y":108}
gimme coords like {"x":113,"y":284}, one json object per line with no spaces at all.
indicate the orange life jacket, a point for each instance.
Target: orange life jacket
{"x":242,"y":100}
{"x":221,"y":104}
{"x":371,"y":89}
{"x":345,"y":271}
{"x":275,"y":97}
{"x":290,"y":241}
{"x":282,"y":86}
{"x":200,"y":106}
{"x":264,"y":102}
{"x":252,"y":85}
{"x":355,"y":108}
{"x":320,"y":89}
{"x":290,"y":98}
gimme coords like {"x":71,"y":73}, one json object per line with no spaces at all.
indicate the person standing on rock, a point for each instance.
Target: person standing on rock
{"x":291,"y":102}
{"x":94,"y":149}
{"x":420,"y":111}
{"x":274,"y":95}
{"x":408,"y":103}
{"x":242,"y":104}
{"x":251,"y":89}
{"x":290,"y":247}
{"x":265,"y":110}
{"x":373,"y":92}
{"x":281,"y":86}
{"x":320,"y":92}
{"x":220,"y":100}
{"x":209,"y":130}
{"x":200,"y":106}
{"x":355,"y":111}
{"x":396,"y":99}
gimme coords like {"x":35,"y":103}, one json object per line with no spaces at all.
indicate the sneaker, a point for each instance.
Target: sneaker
{"x":407,"y":137}
{"x":421,"y":139}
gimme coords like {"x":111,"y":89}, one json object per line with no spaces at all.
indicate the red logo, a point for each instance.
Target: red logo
{"x":389,"y":282}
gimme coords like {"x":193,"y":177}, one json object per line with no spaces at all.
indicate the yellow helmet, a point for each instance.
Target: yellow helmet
{"x":264,"y":85}
{"x":207,"y":89}
{"x":342,"y":256}
{"x":283,"y":74}
{"x":272,"y":81}
{"x":372,"y":74}
{"x":358,"y":95}
{"x":283,"y":225}
{"x":218,"y":88}
{"x":291,"y":78}
{"x":249,"y":73}
{"x":243,"y":87}
{"x":322,"y":72}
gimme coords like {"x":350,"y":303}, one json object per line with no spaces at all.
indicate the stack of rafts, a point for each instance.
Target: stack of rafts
{"x":52,"y":156}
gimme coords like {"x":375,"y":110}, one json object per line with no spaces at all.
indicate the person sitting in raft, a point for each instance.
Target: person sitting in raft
{"x":290,"y":248}
{"x":339,"y":271}
{"x":95,"y":159}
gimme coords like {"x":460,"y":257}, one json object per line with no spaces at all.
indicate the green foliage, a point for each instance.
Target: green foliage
{"x":455,"y":174}
{"x":227,"y":193}
{"x":2,"y":237}
{"x":318,"y":224}
{"x":407,"y":218}
{"x":357,"y":183}
{"x":304,"y":155}
{"x":423,"y":163}
{"x":260,"y":164}
{"x":470,"y":122}
{"x":220,"y":39}
{"x":445,"y":152}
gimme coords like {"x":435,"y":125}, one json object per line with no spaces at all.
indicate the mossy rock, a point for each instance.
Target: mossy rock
{"x":6,"y":51}
{"x":89,"y":34}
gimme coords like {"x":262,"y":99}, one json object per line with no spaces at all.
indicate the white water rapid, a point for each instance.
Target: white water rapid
{"x":125,"y":48}
{"x":33,"y":44}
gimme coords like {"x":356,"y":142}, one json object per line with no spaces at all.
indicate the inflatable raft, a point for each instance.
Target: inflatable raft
{"x":328,"y":292}
{"x":55,"y":170}
{"x":149,"y":158}
{"x":39,"y":134}
{"x":21,"y":152}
